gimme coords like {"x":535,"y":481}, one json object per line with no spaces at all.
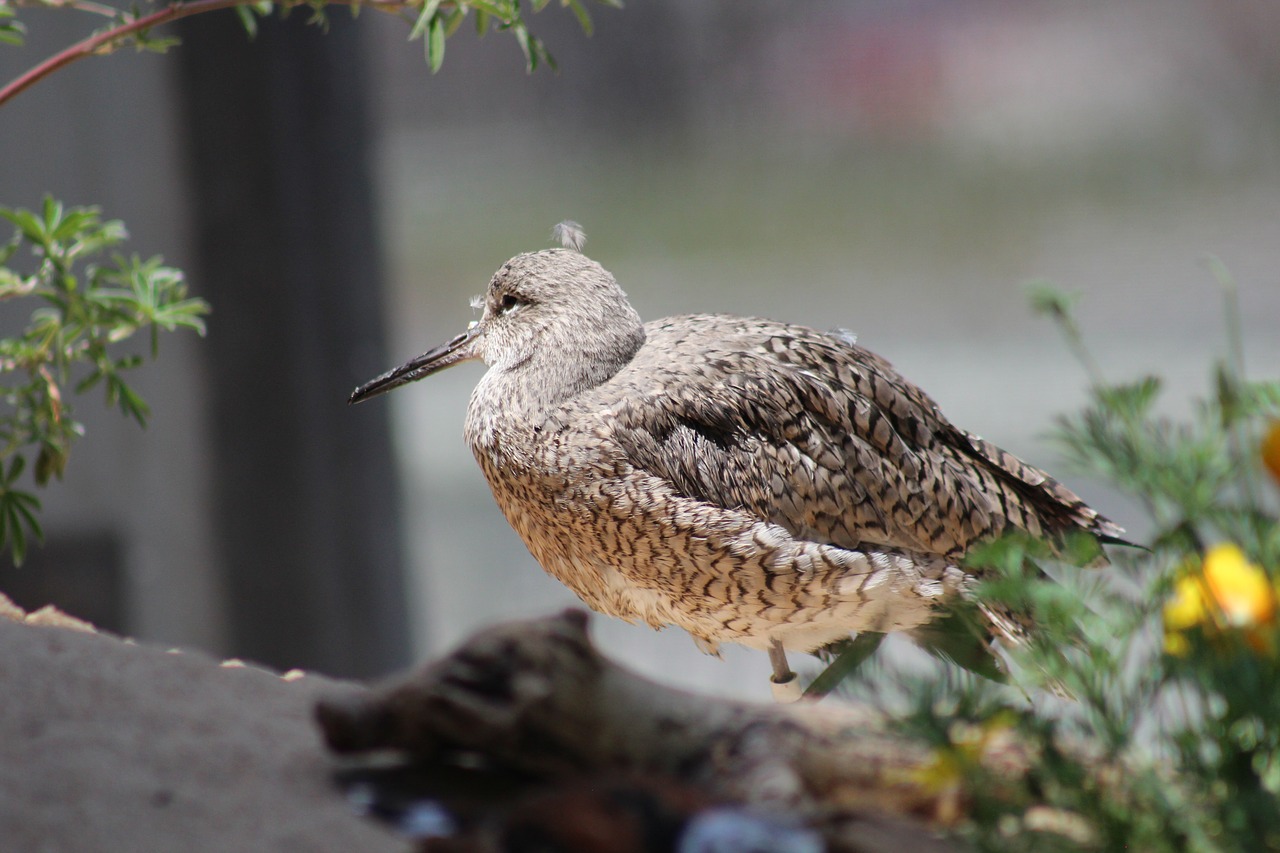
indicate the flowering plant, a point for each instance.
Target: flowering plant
{"x":1146,"y":703}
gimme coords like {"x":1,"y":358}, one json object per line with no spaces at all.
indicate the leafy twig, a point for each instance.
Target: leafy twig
{"x":433,"y":21}
{"x":89,"y":307}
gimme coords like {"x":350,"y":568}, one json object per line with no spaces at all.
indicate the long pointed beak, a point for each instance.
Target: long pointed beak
{"x":432,"y":361}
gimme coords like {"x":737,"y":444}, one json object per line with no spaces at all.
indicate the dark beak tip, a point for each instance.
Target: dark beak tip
{"x":364,"y":393}
{"x":426,"y":364}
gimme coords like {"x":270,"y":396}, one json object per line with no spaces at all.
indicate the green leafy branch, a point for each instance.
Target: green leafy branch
{"x":91,"y":301}
{"x":432,"y":21}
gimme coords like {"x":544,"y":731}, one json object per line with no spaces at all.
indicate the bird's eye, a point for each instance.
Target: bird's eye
{"x":508,"y":302}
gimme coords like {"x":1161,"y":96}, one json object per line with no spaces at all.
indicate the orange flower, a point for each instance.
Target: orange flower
{"x":1242,"y":591}
{"x":1271,"y":450}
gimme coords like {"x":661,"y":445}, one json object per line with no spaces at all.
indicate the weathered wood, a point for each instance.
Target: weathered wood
{"x":538,"y":696}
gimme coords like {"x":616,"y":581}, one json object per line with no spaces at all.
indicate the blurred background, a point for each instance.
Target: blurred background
{"x":900,"y":168}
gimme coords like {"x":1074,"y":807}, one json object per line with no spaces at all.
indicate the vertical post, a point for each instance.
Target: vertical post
{"x":277,"y":142}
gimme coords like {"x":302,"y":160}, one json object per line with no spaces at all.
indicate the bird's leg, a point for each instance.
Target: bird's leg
{"x":778,"y":658}
{"x":783,"y":681}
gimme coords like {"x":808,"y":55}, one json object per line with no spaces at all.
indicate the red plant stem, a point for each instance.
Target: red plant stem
{"x":176,"y":11}
{"x":94,"y":43}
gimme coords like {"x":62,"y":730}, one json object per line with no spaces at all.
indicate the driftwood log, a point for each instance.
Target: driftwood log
{"x":537,"y":696}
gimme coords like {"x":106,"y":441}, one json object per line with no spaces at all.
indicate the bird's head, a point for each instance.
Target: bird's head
{"x":553,"y":319}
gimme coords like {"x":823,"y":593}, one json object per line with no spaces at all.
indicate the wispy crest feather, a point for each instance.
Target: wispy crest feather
{"x":570,"y":235}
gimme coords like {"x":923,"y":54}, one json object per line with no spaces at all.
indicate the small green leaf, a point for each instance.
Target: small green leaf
{"x":157,"y":44}
{"x":52,"y":210}
{"x":27,"y":502}
{"x":850,"y":654}
{"x":89,"y":381}
{"x":1050,"y":300}
{"x":16,"y":468}
{"x":16,"y":521}
{"x":26,"y":222}
{"x":425,"y":17}
{"x":584,"y":17}
{"x":504,"y":12}
{"x":13,"y":33}
{"x":8,"y":249}
{"x":248,"y":21}
{"x":521,"y":32}
{"x":453,"y":20}
{"x":14,"y":536}
{"x":24,"y":503}
{"x":12,"y":284}
{"x":1132,"y":399}
{"x":131,"y":404}
{"x":546,"y":55}
{"x":51,"y":461}
{"x":1259,"y":398}
{"x":435,"y":45}
{"x":319,"y":15}
{"x":959,"y":638}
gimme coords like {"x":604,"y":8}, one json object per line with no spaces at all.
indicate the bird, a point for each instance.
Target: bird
{"x":747,"y":480}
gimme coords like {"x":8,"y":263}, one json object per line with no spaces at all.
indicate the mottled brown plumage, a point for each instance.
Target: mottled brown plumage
{"x":747,"y":480}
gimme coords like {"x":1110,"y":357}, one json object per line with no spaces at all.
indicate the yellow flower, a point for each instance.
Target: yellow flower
{"x":1176,"y":644}
{"x":1186,"y":609}
{"x":1271,"y":450}
{"x":945,"y":776}
{"x":1227,"y":592}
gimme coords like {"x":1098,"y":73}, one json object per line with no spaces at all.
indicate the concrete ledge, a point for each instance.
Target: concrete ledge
{"x":110,"y":746}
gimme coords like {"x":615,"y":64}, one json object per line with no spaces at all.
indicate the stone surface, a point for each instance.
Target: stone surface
{"x":110,"y":746}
